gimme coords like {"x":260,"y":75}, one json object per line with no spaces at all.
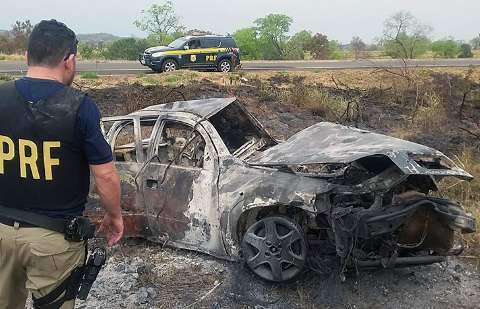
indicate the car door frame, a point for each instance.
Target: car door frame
{"x":188,"y":63}
{"x":215,"y":52}
{"x":193,"y":226}
{"x":133,"y":207}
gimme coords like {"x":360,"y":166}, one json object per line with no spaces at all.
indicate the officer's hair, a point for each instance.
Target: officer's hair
{"x":50,"y":43}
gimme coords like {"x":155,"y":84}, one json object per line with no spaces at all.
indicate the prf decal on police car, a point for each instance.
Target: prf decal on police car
{"x":30,"y":158}
{"x":211,"y":57}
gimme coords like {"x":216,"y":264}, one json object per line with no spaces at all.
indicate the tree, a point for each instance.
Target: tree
{"x":295,"y":49}
{"x":160,"y":21}
{"x":6,"y":45}
{"x":248,"y":42}
{"x":404,"y":36}
{"x":198,"y":32}
{"x":86,"y":50}
{"x":318,"y":46}
{"x":447,"y":48}
{"x":126,"y":49}
{"x":357,"y":46}
{"x":476,"y":42}
{"x":465,"y":51}
{"x":20,"y":33}
{"x":334,"y":50}
{"x":273,"y":32}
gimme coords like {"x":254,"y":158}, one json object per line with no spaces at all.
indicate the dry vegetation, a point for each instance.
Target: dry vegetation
{"x":14,"y":57}
{"x":439,"y":108}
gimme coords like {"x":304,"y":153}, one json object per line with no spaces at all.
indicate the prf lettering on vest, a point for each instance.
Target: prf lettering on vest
{"x":28,"y":157}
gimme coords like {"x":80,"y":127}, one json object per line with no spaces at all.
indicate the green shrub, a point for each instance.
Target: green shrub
{"x":6,"y":78}
{"x":465,"y":51}
{"x":445,"y":48}
{"x":126,"y":49}
{"x":89,"y":75}
{"x":86,"y":50}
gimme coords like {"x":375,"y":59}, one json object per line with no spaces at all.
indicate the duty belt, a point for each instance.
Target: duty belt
{"x":76,"y":229}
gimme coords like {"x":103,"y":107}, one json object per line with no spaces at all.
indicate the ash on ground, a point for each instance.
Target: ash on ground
{"x":140,"y":274}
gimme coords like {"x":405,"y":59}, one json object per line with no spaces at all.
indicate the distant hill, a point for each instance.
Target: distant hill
{"x":3,"y":32}
{"x":97,"y":37}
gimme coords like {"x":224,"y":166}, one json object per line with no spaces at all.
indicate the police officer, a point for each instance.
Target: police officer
{"x":50,"y":141}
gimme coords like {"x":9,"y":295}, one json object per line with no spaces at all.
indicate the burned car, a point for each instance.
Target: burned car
{"x":205,"y":175}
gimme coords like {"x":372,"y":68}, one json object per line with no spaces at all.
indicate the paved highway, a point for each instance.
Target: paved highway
{"x":133,"y":67}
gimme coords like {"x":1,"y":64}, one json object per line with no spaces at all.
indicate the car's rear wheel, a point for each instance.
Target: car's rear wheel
{"x":225,"y":66}
{"x":169,"y":65}
{"x":275,"y":249}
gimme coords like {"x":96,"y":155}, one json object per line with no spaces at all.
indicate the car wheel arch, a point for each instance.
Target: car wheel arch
{"x":227,"y":58}
{"x":170,"y":58}
{"x":224,"y":57}
{"x":255,"y":213}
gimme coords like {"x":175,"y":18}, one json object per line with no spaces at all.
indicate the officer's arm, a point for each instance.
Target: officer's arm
{"x":99,"y":156}
{"x":107,"y":185}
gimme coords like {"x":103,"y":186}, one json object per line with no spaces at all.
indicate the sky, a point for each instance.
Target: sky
{"x":339,"y":19}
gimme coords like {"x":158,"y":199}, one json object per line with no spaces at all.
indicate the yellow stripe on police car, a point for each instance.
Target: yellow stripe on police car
{"x":189,"y":52}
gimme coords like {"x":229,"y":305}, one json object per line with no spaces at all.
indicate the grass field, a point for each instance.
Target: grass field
{"x":12,"y":57}
{"x":421,"y":105}
{"x":376,"y":54}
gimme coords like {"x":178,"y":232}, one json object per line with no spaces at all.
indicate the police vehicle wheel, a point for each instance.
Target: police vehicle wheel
{"x":169,"y":66}
{"x":225,"y":66}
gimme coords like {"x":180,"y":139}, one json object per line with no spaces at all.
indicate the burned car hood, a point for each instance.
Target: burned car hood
{"x":325,"y":143}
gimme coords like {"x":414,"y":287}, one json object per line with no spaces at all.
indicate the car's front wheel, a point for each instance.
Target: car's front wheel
{"x":225,"y":66}
{"x":275,"y":249}
{"x":169,"y":65}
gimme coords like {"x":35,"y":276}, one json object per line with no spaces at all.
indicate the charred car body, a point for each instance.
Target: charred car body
{"x":204,"y":175}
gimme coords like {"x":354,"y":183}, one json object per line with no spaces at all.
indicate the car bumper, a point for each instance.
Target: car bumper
{"x":425,"y":224}
{"x":145,"y":60}
{"x":450,"y":213}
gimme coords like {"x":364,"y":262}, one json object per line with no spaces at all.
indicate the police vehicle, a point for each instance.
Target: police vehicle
{"x":194,"y":52}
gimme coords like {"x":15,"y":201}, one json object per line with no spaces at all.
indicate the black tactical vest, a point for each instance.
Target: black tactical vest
{"x":41,"y":167}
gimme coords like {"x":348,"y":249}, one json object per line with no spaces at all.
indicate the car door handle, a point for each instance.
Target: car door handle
{"x":152,"y":184}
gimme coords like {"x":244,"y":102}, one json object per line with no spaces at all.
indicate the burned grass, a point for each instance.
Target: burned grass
{"x":467,"y":193}
{"x":438,"y":108}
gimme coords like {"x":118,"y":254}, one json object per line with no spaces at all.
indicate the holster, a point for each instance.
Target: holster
{"x":69,"y":288}
{"x":77,"y":285}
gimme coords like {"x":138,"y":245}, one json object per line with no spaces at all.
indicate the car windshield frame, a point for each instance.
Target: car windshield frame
{"x":178,"y":43}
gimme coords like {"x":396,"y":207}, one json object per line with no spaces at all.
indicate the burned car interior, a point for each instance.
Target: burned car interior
{"x":205,"y":175}
{"x":181,"y":145}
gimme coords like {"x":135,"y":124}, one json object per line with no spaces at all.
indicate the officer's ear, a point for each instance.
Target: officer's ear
{"x":70,"y":62}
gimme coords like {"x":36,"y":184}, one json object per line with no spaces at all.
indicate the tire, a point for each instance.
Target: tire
{"x":225,"y":66}
{"x":169,"y":65}
{"x":275,"y":249}
{"x":156,"y":69}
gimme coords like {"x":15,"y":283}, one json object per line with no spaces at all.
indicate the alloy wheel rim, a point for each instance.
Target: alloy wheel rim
{"x":273,"y":255}
{"x":170,"y":66}
{"x":225,"y":67}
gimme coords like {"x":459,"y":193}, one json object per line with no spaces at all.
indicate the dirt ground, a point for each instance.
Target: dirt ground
{"x":145,"y":275}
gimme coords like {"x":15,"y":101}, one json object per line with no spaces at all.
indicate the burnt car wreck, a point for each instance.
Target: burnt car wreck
{"x":205,"y":175}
